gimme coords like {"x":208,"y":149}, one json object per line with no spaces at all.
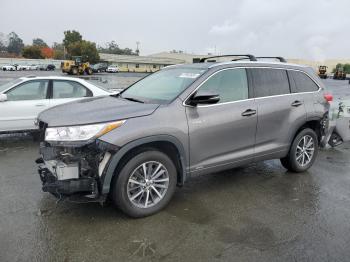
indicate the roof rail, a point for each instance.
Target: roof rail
{"x":239,"y":59}
{"x":282,"y":60}
{"x":250,"y":57}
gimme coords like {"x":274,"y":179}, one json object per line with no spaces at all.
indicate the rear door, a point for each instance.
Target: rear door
{"x":222,"y":135}
{"x":302,"y":85}
{"x":64,"y":91}
{"x":280,"y":114}
{"x":24,"y":103}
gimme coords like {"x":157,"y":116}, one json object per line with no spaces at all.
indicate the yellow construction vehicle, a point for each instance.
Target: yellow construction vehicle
{"x":322,"y":72}
{"x":76,"y":66}
{"x":339,"y":73}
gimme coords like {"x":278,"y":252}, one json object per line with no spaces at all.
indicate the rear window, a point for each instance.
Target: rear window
{"x":300,"y":82}
{"x":269,"y":82}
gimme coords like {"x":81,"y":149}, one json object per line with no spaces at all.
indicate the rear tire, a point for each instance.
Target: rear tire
{"x":74,"y":71}
{"x":154,"y":189}
{"x":303,"y":152}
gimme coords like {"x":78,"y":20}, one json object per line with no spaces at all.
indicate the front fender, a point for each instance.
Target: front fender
{"x":110,"y":172}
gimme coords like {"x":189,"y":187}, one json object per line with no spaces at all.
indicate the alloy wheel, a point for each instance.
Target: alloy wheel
{"x":305,"y":150}
{"x":148,"y":184}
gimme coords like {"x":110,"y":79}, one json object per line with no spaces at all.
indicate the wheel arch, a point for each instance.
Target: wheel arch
{"x":167,"y":144}
{"x":312,"y":123}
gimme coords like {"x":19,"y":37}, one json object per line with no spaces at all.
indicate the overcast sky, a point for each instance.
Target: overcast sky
{"x":312,"y":29}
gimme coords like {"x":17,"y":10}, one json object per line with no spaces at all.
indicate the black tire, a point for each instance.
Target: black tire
{"x":74,"y":71}
{"x":119,"y":191}
{"x":290,"y":161}
{"x":89,"y":71}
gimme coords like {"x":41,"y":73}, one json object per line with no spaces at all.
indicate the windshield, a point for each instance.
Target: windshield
{"x":163,"y":86}
{"x":9,"y":84}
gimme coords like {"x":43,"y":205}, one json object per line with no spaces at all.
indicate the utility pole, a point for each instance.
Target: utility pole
{"x":137,"y":47}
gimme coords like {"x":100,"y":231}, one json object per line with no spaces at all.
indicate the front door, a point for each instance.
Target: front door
{"x":24,"y":103}
{"x":222,"y":135}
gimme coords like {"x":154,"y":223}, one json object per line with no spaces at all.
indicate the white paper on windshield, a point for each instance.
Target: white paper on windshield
{"x":189,"y":75}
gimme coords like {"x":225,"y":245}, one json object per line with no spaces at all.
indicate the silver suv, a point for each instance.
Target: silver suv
{"x":200,"y":118}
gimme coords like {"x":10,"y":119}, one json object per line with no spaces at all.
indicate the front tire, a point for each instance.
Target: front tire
{"x":145,"y":184}
{"x":303,"y":152}
{"x":89,"y":71}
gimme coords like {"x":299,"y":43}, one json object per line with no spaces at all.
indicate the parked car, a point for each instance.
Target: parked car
{"x":23,"y":99}
{"x":8,"y":68}
{"x":100,"y":67}
{"x":135,"y":147}
{"x":49,"y":67}
{"x":112,"y":69}
{"x":23,"y":67}
{"x":34,"y":67}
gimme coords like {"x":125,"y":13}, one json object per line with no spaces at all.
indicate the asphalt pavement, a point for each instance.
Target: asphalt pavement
{"x":257,"y":212}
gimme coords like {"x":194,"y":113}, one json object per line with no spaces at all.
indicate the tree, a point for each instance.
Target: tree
{"x":113,"y":48}
{"x":47,"y":52}
{"x":3,"y":43}
{"x":15,"y":44}
{"x":32,"y":51}
{"x":58,"y":51}
{"x":39,"y":42}
{"x":71,"y":37}
{"x":58,"y":54}
{"x":86,"y":49}
{"x":347,"y":68}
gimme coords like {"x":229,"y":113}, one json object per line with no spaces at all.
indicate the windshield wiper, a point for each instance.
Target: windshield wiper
{"x":127,"y":98}
{"x":132,"y":99}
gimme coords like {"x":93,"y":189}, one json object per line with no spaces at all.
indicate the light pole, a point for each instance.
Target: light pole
{"x":137,"y":47}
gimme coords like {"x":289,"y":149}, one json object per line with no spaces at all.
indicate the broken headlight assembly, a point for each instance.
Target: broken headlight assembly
{"x":80,"y":133}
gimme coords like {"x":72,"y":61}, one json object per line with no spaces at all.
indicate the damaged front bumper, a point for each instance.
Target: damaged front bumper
{"x":74,"y":171}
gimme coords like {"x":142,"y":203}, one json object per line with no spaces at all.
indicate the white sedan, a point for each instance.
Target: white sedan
{"x":23,"y":99}
{"x":8,"y":68}
{"x":112,"y":69}
{"x":24,"y":67}
{"x":34,"y":67}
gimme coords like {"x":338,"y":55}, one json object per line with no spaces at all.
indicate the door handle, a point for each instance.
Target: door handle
{"x":297,"y":103}
{"x":40,"y":105}
{"x":249,"y":112}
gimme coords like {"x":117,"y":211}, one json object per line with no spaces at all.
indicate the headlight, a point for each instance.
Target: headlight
{"x":80,"y":133}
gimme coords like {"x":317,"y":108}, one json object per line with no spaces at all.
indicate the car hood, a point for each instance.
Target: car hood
{"x":95,"y":110}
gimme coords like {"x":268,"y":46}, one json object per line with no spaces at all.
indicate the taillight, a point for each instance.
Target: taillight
{"x":328,"y":97}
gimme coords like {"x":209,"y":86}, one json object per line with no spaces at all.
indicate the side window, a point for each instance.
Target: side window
{"x":269,"y":82}
{"x":69,"y":89}
{"x":301,"y":82}
{"x":230,"y":85}
{"x":31,"y":90}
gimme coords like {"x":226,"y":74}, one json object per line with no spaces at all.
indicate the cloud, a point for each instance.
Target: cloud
{"x":294,"y":29}
{"x":224,"y":29}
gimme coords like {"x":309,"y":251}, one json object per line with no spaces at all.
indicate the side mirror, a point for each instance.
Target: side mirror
{"x":204,"y":97}
{"x":3,"y":97}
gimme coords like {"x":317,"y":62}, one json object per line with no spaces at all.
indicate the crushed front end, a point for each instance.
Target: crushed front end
{"x":73,"y":170}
